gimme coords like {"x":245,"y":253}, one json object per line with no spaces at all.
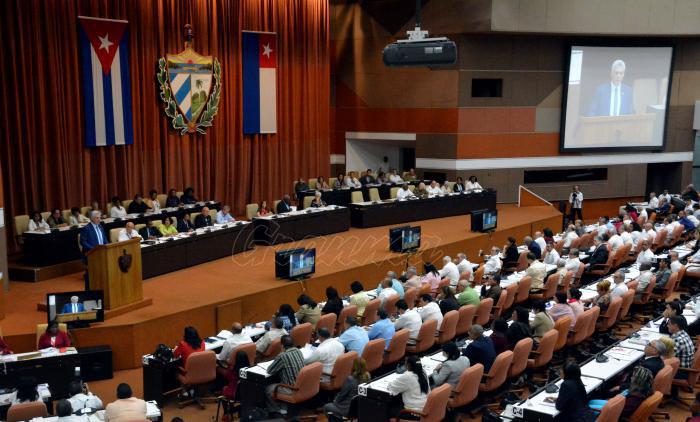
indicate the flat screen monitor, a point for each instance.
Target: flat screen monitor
{"x":484,"y":220}
{"x":75,"y":308}
{"x":616,"y":98}
{"x":404,"y":239}
{"x":295,"y":263}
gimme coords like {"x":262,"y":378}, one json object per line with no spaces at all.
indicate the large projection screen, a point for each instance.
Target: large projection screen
{"x":615,"y":98}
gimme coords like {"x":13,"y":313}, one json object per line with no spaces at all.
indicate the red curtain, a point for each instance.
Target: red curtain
{"x":44,"y":161}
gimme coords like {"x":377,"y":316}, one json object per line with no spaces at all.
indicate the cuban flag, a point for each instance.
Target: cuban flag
{"x":259,"y":82}
{"x":104,"y":54}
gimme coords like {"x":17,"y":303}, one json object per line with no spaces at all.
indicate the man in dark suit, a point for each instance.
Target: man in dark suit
{"x":600,"y":254}
{"x":480,"y":350}
{"x":652,"y":356}
{"x":285,"y":205}
{"x":185,"y":224}
{"x":613,"y":98}
{"x":203,"y":219}
{"x":92,"y":235}
{"x":367,"y":179}
{"x":149,"y":232}
{"x":533,"y":247}
{"x":458,"y":186}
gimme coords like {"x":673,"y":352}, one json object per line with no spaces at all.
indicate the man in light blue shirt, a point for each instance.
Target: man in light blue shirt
{"x":354,"y":338}
{"x":395,"y":284}
{"x":224,"y":216}
{"x":383,"y":328}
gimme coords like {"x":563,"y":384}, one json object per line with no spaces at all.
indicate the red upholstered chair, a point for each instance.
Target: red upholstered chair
{"x":524,"y":286}
{"x":200,"y":369}
{"x":545,"y":350}
{"x":306,"y":387}
{"x":370,"y":315}
{"x":348,"y":311}
{"x":521,"y":352}
{"x":648,"y":406}
{"x":435,"y":406}
{"x":426,"y":337}
{"x":448,"y":328}
{"x":27,"y":411}
{"x":550,"y":288}
{"x":410,"y":296}
{"x":397,"y":347}
{"x":390,"y":304}
{"x":466,"y":316}
{"x":327,"y":321}
{"x":342,"y":368}
{"x":248,"y":348}
{"x":612,"y":410}
{"x":483,"y":313}
{"x":498,"y":373}
{"x":301,"y":334}
{"x":467,"y":388}
{"x":273,"y":350}
{"x":608,"y":319}
{"x":373,"y":353}
{"x":562,"y":326}
{"x":498,"y":308}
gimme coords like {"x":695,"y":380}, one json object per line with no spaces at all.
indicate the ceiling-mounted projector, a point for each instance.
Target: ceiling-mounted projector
{"x":419,"y":50}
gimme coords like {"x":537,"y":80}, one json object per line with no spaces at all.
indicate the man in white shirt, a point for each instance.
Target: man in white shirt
{"x":573,"y":263}
{"x":449,"y":270}
{"x":665,"y":196}
{"x":536,"y":270}
{"x":626,"y":234}
{"x":434,"y":189}
{"x":540,"y":241}
{"x":464,"y":266}
{"x":409,"y":319}
{"x":224,"y":215}
{"x":493,"y":265}
{"x":653,"y":200}
{"x":128,"y":232}
{"x":327,"y":352}
{"x":570,"y":236}
{"x":552,"y":256}
{"x":619,"y":288}
{"x":394,"y":177}
{"x":404,"y":192}
{"x":387,"y":291}
{"x":237,"y":338}
{"x":615,"y":240}
{"x":645,"y":255}
{"x":81,"y":397}
{"x":675,"y":263}
{"x":429,"y":309}
{"x":649,"y":231}
{"x":576,"y":204}
{"x":276,"y":331}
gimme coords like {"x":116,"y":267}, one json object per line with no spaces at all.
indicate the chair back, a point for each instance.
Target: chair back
{"x":580,"y":331}
{"x":627,"y":300}
{"x":251,"y":210}
{"x":369,"y":316}
{"x":41,"y":329}
{"x":610,"y":316}
{"x":467,"y":388}
{"x":693,"y":375}
{"x":200,"y":368}
{"x":559,"y":246}
{"x":390,"y":304}
{"x":347,"y":311}
{"x":498,"y":372}
{"x":374,"y":194}
{"x":562,"y":326}
{"x":274,"y":205}
{"x":648,"y":406}
{"x":307,"y":385}
{"x":484,"y":312}
{"x":632,"y":285}
{"x":397,"y":347}
{"x":566,"y":281}
{"x":114,"y":234}
{"x":522,"y":261}
{"x":307,"y":201}
{"x":301,"y":334}
{"x":512,"y":291}
{"x":659,"y":239}
{"x":448,"y":327}
{"x":521,"y":352}
{"x":327,"y":321}
{"x":612,"y":410}
{"x":550,"y":287}
{"x":393,"y":191}
{"x":436,"y":404}
{"x":498,"y":308}
{"x":312,"y":182}
{"x":669,"y":287}
{"x":524,"y":286}
{"x":410,"y":295}
{"x":645,"y":295}
{"x":248,"y":348}
{"x":579,"y":274}
{"x":479,"y":275}
{"x":373,"y":353}
{"x":676,"y":235}
{"x":342,"y":368}
{"x":466,"y":316}
{"x":424,"y":290}
{"x":273,"y":349}
{"x":674,"y":363}
{"x":426,"y":337}
{"x":593,"y":318}
{"x":27,"y":411}
{"x":545,"y":350}
{"x":663,"y":380}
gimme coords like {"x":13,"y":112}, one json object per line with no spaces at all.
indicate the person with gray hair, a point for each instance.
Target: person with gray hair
{"x":570,"y":236}
{"x":92,"y":235}
{"x":449,"y":270}
{"x":463,"y":265}
{"x":395,"y":284}
{"x":552,"y":256}
{"x":224,"y":216}
{"x":327,"y":352}
{"x":619,"y":287}
{"x":613,"y":98}
{"x":481,"y":349}
{"x":317,"y":202}
{"x":653,"y":352}
{"x":600,"y":254}
{"x":412,"y":279}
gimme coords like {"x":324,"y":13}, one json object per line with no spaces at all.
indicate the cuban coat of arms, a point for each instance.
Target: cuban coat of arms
{"x":190,"y":85}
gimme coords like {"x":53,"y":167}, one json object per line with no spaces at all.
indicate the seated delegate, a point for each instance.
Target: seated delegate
{"x":167,"y":228}
{"x":37,"y":223}
{"x":53,"y":337}
{"x":55,"y":220}
{"x":138,"y":206}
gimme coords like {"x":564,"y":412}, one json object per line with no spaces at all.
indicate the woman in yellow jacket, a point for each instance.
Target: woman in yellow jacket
{"x":167,"y":229}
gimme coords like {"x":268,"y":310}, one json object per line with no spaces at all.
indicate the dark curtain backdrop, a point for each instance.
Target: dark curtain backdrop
{"x":44,"y":161}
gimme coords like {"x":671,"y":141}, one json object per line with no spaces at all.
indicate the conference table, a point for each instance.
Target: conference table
{"x":343,"y":196}
{"x":392,"y":211}
{"x":45,"y":248}
{"x":168,"y":254}
{"x":301,"y":224}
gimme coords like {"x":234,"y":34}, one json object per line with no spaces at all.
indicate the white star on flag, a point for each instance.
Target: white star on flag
{"x":267,"y":50}
{"x":105,"y":42}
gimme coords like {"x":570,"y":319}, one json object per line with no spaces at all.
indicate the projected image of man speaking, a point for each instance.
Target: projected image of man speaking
{"x":613,"y":98}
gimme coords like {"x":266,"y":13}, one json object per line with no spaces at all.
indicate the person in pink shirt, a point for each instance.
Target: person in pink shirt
{"x":575,"y":302}
{"x":432,"y":277}
{"x":562,"y":309}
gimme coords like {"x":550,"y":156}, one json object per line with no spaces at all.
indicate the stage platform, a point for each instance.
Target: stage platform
{"x":243,"y":288}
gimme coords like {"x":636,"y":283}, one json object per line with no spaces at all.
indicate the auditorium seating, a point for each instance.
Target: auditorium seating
{"x":373,"y":353}
{"x":466,"y":316}
{"x":467,"y":388}
{"x":483,"y":313}
{"x":341,"y":370}
{"x":448,"y":328}
{"x":425,"y":339}
{"x":612,"y":410}
{"x":200,"y":369}
{"x":435,"y":406}
{"x":397,"y":347}
{"x":27,"y":411}
{"x":305,"y":388}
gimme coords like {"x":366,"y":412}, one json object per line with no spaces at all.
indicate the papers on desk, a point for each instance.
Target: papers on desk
{"x":638,"y":343}
{"x":622,"y":353}
{"x":615,"y":364}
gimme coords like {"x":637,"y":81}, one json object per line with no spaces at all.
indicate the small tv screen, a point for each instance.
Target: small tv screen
{"x":295,"y":263}
{"x":484,"y":220}
{"x":75,"y":307}
{"x":406,"y":238}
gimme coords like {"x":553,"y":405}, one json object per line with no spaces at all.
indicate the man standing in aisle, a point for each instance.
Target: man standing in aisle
{"x":576,"y":202}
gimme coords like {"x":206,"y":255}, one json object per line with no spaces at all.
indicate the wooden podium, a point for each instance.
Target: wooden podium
{"x":115,"y":268}
{"x":634,"y":129}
